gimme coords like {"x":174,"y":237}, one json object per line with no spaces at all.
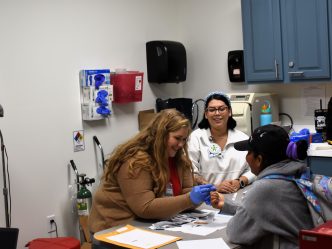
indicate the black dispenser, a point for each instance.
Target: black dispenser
{"x":166,"y":62}
{"x":235,"y":66}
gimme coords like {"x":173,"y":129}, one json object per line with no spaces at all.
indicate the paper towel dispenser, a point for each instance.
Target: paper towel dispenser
{"x":166,"y":62}
{"x":246,"y":109}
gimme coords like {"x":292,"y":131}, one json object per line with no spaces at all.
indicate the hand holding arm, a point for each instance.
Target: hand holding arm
{"x":227,"y":187}
{"x":231,"y":186}
{"x":240,"y":182}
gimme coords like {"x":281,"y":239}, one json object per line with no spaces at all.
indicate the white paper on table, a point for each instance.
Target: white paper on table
{"x":218,"y":243}
{"x":223,"y":218}
{"x":141,"y":238}
{"x":220,"y":222}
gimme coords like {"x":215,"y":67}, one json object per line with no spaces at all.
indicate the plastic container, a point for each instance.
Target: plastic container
{"x":305,"y":134}
{"x":266,"y":115}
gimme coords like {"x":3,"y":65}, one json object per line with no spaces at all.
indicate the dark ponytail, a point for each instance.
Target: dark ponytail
{"x":297,"y":150}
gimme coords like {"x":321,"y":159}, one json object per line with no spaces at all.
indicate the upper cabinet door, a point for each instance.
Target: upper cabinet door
{"x":286,"y":40}
{"x":262,"y":40}
{"x":306,"y":39}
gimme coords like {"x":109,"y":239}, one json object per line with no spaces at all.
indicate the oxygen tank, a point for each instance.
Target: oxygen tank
{"x":84,"y":196}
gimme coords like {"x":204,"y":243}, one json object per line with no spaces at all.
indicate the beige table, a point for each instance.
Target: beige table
{"x":144,"y":224}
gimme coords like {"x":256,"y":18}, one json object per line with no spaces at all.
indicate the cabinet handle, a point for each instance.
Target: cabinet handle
{"x":298,"y":74}
{"x":276,"y":69}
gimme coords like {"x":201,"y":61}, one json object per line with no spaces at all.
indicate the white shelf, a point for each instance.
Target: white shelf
{"x":320,"y":149}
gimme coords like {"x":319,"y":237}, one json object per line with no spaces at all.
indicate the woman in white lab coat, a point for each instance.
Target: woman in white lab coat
{"x":211,"y":147}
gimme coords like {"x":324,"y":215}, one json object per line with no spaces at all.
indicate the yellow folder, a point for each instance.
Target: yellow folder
{"x":136,"y":238}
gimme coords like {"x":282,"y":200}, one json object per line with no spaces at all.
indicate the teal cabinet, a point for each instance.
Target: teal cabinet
{"x":330,"y":31}
{"x":320,"y":165}
{"x":262,"y":40}
{"x":285,"y":40}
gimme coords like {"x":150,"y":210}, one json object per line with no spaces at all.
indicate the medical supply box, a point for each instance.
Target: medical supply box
{"x":95,"y":77}
{"x":96,"y":94}
{"x":127,"y":86}
{"x":317,"y":238}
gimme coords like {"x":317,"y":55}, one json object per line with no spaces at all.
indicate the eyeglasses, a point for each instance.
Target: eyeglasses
{"x":220,"y":109}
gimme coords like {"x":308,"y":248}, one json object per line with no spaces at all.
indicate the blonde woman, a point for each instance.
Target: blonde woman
{"x":150,"y":176}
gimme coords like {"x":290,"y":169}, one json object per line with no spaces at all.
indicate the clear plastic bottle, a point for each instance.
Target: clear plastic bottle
{"x":266,"y":114}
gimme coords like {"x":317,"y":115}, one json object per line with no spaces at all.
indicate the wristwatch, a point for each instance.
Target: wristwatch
{"x":242,"y":183}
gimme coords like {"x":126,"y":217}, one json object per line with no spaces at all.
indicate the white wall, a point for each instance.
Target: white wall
{"x":211,"y":29}
{"x":43,"y":46}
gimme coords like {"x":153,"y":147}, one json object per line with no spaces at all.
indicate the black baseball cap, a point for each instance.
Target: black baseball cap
{"x":269,"y":140}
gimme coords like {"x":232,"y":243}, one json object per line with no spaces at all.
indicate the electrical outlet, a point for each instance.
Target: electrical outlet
{"x":50,"y":217}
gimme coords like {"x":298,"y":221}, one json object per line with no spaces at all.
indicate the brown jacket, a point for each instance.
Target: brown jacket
{"x":136,"y":197}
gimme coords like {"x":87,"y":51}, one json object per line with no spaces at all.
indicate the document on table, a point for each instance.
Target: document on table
{"x":136,"y":238}
{"x":199,"y":228}
{"x":203,"y":243}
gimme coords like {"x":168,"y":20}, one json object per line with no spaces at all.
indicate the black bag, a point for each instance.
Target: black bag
{"x":183,"y":105}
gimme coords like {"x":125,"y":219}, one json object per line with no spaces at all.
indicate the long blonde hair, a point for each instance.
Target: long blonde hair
{"x":148,"y":150}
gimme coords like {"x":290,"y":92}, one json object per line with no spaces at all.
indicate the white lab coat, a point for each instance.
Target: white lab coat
{"x":229,"y":165}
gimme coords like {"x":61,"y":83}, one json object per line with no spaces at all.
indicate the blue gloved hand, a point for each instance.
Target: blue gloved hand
{"x":101,"y":98}
{"x":201,"y":192}
{"x":208,"y":200}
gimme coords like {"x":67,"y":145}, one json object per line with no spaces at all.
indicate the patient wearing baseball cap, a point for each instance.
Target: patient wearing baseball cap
{"x":273,"y":144}
{"x":271,"y":208}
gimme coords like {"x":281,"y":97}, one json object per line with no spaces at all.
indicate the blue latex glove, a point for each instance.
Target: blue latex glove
{"x":208,"y":200}
{"x":102,"y":110}
{"x":99,"y":79}
{"x":101,"y":98}
{"x":304,"y":131}
{"x":201,"y":192}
